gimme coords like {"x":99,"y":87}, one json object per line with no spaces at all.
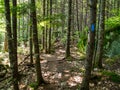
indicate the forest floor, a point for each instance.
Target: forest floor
{"x":63,"y":74}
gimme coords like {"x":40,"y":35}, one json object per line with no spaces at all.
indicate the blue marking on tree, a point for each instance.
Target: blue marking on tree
{"x":93,"y":27}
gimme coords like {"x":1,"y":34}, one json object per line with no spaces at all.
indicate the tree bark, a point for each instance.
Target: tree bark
{"x":90,"y":45}
{"x":36,"y":44}
{"x":12,"y":53}
{"x":101,"y":34}
{"x":49,"y":48}
{"x":69,"y":29}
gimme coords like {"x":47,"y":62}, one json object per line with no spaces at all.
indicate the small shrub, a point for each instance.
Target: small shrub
{"x":34,"y":85}
{"x":112,"y":76}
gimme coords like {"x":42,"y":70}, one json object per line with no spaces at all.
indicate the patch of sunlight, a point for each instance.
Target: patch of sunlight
{"x":58,"y":75}
{"x":73,"y":81}
{"x":62,"y":51}
{"x":81,"y":53}
{"x":82,"y":69}
{"x":48,"y":55}
{"x":43,"y":61}
{"x":47,"y":74}
{"x":43,"y":23}
{"x":66,"y":71}
{"x":60,"y":57}
{"x":67,"y":75}
{"x":75,"y":48}
{"x":22,"y":86}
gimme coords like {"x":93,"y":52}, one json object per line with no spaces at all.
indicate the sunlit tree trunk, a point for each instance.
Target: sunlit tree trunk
{"x":5,"y":44}
{"x":101,"y":34}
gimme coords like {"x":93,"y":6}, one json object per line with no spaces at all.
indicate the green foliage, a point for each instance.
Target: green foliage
{"x":114,"y":48}
{"x":23,"y":8}
{"x":82,"y":40}
{"x":112,"y":22}
{"x":112,"y":60}
{"x":56,"y":20}
{"x":112,"y":35}
{"x":63,"y":39}
{"x":2,"y":6}
{"x":1,"y":40}
{"x":112,"y":76}
{"x":34,"y":85}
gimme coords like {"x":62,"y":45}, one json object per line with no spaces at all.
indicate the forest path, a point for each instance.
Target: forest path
{"x":61,"y":73}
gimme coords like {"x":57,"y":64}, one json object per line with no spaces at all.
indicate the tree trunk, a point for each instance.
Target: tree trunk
{"x":43,"y":33}
{"x":12,"y":57}
{"x":77,"y":12}
{"x":49,"y":48}
{"x":101,"y":34}
{"x":69,"y":29}
{"x":31,"y":37}
{"x":36,"y":44}
{"x":90,"y":45}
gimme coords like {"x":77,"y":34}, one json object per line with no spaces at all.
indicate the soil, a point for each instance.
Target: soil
{"x":62,"y":74}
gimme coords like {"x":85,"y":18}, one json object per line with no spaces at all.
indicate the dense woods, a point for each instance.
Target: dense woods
{"x":59,"y":44}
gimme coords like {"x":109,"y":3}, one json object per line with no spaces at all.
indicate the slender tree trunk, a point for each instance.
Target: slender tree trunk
{"x":49,"y":48}
{"x":77,"y":11}
{"x":63,"y":19}
{"x":69,"y":29}
{"x":12,"y":57}
{"x":5,"y":44}
{"x":90,"y":45}
{"x":101,"y":34}
{"x":43,"y":33}
{"x":81,"y":16}
{"x":47,"y":14}
{"x":14,"y":29}
{"x":36,"y":44}
{"x":86,"y":14}
{"x":31,"y":37}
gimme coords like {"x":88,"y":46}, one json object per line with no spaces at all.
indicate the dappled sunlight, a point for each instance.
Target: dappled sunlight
{"x":62,"y":51}
{"x":73,"y":81}
{"x":60,"y":57}
{"x":47,"y":55}
{"x":43,"y":61}
{"x":58,"y":75}
{"x":66,"y":71}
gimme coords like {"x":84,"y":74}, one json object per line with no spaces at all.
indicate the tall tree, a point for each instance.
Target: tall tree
{"x":69,"y":28}
{"x":90,"y":45}
{"x":101,"y":33}
{"x":36,"y":44}
{"x":43,"y":33}
{"x":46,"y":31}
{"x":77,"y":12}
{"x":31,"y":37}
{"x":11,"y":45}
{"x":49,"y":48}
{"x":14,"y":29}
